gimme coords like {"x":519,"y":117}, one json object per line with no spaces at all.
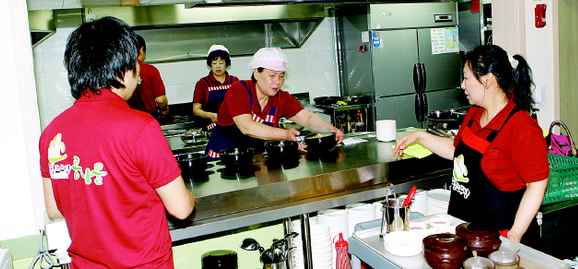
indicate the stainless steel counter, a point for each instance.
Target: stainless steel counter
{"x":347,"y":174}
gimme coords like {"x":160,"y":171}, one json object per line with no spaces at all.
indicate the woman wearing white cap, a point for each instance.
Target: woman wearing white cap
{"x":250,"y":113}
{"x":210,"y":90}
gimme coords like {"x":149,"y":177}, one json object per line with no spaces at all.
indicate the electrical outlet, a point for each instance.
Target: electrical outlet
{"x":540,"y":94}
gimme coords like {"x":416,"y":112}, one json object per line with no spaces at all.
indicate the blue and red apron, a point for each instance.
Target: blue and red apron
{"x":215,"y":97}
{"x":230,"y":136}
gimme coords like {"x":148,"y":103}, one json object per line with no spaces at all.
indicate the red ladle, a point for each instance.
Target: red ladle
{"x":409,"y":196}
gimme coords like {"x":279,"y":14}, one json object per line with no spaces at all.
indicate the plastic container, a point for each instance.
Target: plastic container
{"x":342,"y":251}
{"x":563,"y":180}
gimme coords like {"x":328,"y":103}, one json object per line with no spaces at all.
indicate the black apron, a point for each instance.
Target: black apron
{"x":230,"y":136}
{"x":474,"y":198}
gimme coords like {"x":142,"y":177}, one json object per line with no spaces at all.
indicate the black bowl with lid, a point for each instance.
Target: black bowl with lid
{"x":321,"y":141}
{"x":284,"y":150}
{"x":237,"y":157}
{"x":192,"y":163}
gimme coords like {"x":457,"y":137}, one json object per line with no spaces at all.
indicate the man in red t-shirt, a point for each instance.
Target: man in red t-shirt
{"x":107,"y":168}
{"x":150,"y":95}
{"x":250,"y":113}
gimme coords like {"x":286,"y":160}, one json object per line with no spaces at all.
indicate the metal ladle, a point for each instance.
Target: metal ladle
{"x":251,"y":244}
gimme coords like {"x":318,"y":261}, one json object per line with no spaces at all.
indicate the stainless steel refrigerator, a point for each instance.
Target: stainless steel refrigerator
{"x":405,"y":56}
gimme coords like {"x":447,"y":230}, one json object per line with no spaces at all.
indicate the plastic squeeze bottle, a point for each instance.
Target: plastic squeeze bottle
{"x":342,"y":251}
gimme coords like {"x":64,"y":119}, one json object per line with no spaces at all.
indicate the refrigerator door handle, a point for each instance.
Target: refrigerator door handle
{"x":423,"y":78}
{"x":416,"y":78}
{"x":424,"y":108}
{"x":419,"y":78}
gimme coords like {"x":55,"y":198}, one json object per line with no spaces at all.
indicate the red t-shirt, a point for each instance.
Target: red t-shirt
{"x":237,"y":103}
{"x":105,"y":161}
{"x":202,"y":91}
{"x":151,"y":86}
{"x":518,"y":154}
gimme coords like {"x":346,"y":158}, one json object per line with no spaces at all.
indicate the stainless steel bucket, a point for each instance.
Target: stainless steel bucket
{"x":395,"y":216}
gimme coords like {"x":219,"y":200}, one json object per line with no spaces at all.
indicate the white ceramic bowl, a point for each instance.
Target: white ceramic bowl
{"x":417,"y":226}
{"x":446,"y":229}
{"x":403,"y":243}
{"x":440,"y":221}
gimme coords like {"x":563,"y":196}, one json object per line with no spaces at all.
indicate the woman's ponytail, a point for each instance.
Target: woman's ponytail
{"x":522,"y":84}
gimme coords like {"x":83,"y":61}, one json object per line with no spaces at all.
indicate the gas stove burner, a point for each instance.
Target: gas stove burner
{"x":282,"y":164}
{"x":237,"y":172}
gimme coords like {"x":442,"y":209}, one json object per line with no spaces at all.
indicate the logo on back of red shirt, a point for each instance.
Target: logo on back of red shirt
{"x":56,"y":153}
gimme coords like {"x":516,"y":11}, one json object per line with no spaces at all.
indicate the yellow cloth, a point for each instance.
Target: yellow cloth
{"x":416,"y":150}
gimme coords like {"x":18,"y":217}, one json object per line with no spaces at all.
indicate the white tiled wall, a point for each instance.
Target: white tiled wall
{"x":312,"y":68}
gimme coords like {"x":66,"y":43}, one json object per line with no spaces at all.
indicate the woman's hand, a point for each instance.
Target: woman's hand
{"x":213,"y":117}
{"x":338,"y":135}
{"x":291,"y":134}
{"x":514,"y":236}
{"x":405,"y":141}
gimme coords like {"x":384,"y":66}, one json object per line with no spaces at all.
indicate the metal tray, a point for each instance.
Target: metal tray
{"x":368,"y":246}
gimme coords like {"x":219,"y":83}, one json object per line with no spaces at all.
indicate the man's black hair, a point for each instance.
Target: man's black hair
{"x":141,"y":43}
{"x":97,"y":55}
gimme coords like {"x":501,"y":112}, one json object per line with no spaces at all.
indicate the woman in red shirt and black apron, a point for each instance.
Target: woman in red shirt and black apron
{"x":500,"y":156}
{"x":250,"y":113}
{"x":210,"y":90}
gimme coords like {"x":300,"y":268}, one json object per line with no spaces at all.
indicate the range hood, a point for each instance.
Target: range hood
{"x":180,"y":32}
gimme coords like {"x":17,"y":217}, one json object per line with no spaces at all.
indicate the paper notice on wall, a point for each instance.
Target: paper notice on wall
{"x":444,"y":40}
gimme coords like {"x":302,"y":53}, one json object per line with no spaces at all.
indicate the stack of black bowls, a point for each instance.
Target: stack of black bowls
{"x":284,"y":153}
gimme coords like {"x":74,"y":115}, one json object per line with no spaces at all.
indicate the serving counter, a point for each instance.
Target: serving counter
{"x":344,"y":175}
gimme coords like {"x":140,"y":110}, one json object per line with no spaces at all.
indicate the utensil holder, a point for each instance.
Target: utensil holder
{"x":395,"y":216}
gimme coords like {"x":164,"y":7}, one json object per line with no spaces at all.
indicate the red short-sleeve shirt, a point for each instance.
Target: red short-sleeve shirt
{"x":150,"y":87}
{"x":518,"y":154}
{"x":237,"y":103}
{"x":105,"y":161}
{"x":202,"y":91}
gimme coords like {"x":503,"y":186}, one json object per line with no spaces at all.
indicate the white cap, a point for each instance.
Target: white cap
{"x":269,"y":58}
{"x":217,"y":47}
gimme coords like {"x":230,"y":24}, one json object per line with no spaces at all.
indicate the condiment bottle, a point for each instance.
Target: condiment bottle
{"x":342,"y":250}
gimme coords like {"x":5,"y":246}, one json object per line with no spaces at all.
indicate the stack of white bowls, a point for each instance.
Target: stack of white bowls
{"x":321,"y":246}
{"x":336,"y":219}
{"x":386,"y":130}
{"x":438,"y":201}
{"x":378,"y":209}
{"x":420,"y":202}
{"x":358,"y":213}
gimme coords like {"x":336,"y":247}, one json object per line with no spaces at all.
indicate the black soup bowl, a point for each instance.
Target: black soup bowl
{"x":284,"y":150}
{"x":191,"y":163}
{"x":321,"y":141}
{"x":237,"y":157}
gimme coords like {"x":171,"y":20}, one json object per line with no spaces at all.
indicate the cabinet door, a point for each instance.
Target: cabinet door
{"x":394,"y":55}
{"x":443,"y":71}
{"x":400,"y":108}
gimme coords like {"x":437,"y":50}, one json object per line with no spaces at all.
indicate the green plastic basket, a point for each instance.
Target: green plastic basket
{"x":563,"y":181}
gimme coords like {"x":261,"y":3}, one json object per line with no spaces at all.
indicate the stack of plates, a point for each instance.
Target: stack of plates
{"x":420,"y":202}
{"x":358,"y":213}
{"x":336,"y":219}
{"x":438,"y":201}
{"x":378,"y":209}
{"x":321,"y":247}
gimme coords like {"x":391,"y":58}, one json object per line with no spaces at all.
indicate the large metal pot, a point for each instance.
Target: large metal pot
{"x":327,"y":100}
{"x":194,"y":136}
{"x":321,"y":141}
{"x":237,"y":157}
{"x":284,"y":150}
{"x":192,"y":163}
